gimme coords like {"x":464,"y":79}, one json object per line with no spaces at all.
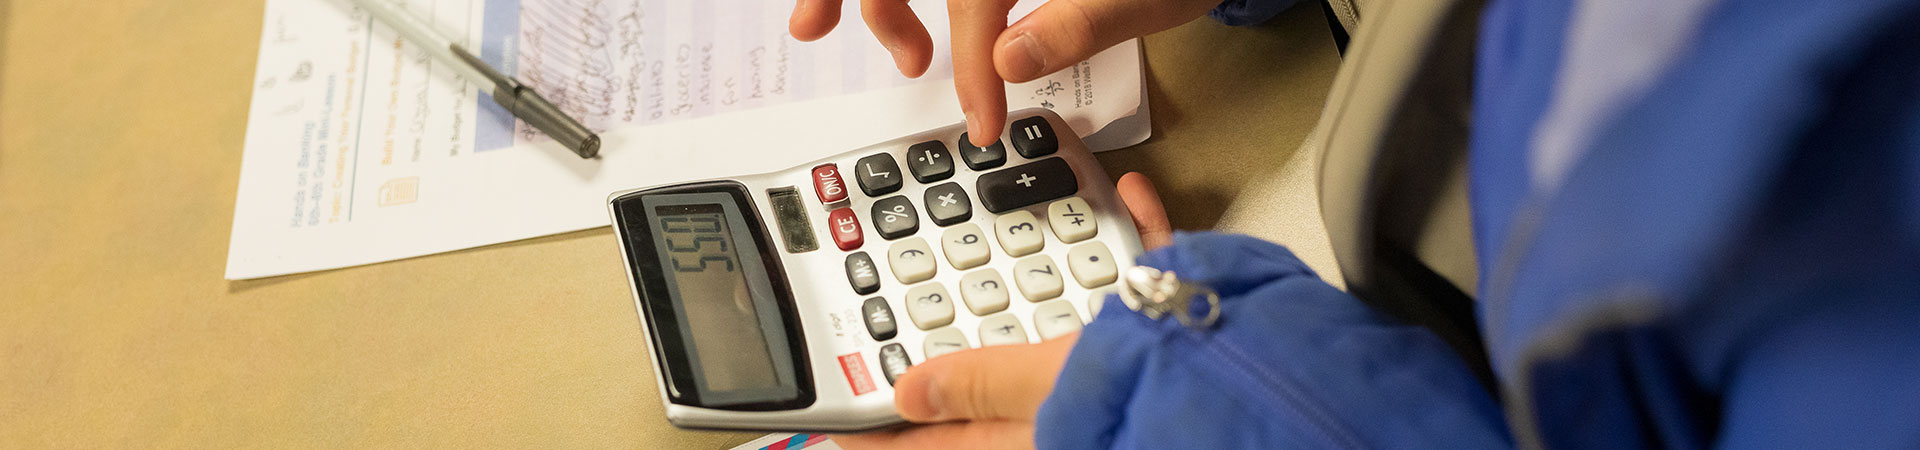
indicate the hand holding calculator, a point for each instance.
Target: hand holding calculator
{"x":793,"y":300}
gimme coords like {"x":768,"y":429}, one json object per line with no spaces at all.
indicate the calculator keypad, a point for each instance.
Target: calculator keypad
{"x":929,"y":161}
{"x":1019,"y":233}
{"x":1070,"y":220}
{"x":912,"y":261}
{"x":1026,"y":185}
{"x":1046,"y":184}
{"x":966,"y":246}
{"x":929,"y":306}
{"x":1037,"y":277}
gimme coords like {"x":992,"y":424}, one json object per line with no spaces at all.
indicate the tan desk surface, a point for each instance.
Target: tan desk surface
{"x":121,"y":124}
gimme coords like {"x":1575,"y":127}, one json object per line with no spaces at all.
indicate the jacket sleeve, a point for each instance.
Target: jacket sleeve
{"x":1291,"y":363}
{"x":1248,"y":12}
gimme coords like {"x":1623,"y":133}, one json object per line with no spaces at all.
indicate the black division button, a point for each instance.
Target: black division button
{"x":878,"y":175}
{"x":861,"y":275}
{"x":880,"y":323}
{"x":894,"y":362}
{"x":894,"y":217}
{"x":929,"y":161}
{"x":1026,"y":184}
{"x":948,"y":204}
{"x":982,"y":158}
{"x":1033,"y":137}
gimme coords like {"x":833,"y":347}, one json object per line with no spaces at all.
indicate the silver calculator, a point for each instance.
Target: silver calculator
{"x":793,"y":300}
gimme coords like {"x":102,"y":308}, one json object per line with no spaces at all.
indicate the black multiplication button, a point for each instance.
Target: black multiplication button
{"x":1026,"y":184}
{"x":894,"y":362}
{"x":861,"y":274}
{"x":878,"y":175}
{"x":982,"y":158}
{"x":948,"y":204}
{"x":880,"y":322}
{"x":1033,"y":137}
{"x":929,"y":161}
{"x":894,"y":217}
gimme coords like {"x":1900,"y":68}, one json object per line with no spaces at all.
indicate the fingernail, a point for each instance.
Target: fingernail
{"x":1025,"y":58}
{"x":973,"y":127}
{"x":899,"y":63}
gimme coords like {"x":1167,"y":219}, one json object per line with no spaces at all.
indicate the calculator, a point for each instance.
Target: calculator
{"x":794,"y":300}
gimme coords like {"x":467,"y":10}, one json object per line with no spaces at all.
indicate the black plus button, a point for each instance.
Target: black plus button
{"x":948,"y":204}
{"x":1033,"y":137}
{"x":1026,"y":184}
{"x":982,"y":158}
{"x":861,"y":274}
{"x":878,"y":175}
{"x":894,"y":217}
{"x":879,"y":317}
{"x":930,"y":161}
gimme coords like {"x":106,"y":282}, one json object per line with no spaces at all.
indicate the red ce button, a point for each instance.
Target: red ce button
{"x":846,"y":228}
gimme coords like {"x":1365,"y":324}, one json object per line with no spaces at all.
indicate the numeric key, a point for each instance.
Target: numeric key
{"x":878,"y":175}
{"x":1038,"y":278}
{"x":1019,"y":233}
{"x":1003,"y":329}
{"x":944,"y":341}
{"x":929,"y":161}
{"x":929,"y":306}
{"x":984,"y":291}
{"x":966,"y":246}
{"x":1055,"y":319}
{"x":912,"y":260}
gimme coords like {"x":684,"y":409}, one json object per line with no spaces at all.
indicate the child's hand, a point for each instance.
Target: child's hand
{"x":987,"y":52}
{"x":987,"y":397}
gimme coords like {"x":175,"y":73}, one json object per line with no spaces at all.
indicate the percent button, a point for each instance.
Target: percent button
{"x":894,"y":217}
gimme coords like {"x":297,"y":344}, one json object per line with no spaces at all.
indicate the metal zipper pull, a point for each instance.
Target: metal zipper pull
{"x":1157,"y":294}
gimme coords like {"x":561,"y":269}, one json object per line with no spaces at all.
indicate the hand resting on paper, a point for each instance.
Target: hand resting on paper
{"x":987,"y":52}
{"x":987,"y":397}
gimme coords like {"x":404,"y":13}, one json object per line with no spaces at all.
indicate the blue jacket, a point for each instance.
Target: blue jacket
{"x":1731,"y":259}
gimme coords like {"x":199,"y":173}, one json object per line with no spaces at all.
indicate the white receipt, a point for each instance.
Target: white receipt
{"x":361,"y":149}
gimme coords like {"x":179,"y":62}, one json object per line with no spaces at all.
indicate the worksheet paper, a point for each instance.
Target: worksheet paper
{"x":361,"y":149}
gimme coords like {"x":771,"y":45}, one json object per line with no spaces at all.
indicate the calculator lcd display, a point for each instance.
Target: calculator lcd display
{"x":710,"y":284}
{"x":716,"y":301}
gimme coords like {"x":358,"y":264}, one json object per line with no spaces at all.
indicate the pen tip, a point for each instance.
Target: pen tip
{"x":590,"y":147}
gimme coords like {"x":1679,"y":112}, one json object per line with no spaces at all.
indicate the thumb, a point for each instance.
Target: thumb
{"x":1062,"y":33}
{"x":1000,"y":382}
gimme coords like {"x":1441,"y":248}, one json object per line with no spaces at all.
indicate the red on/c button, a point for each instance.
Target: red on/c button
{"x":826,"y":182}
{"x":846,"y":228}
